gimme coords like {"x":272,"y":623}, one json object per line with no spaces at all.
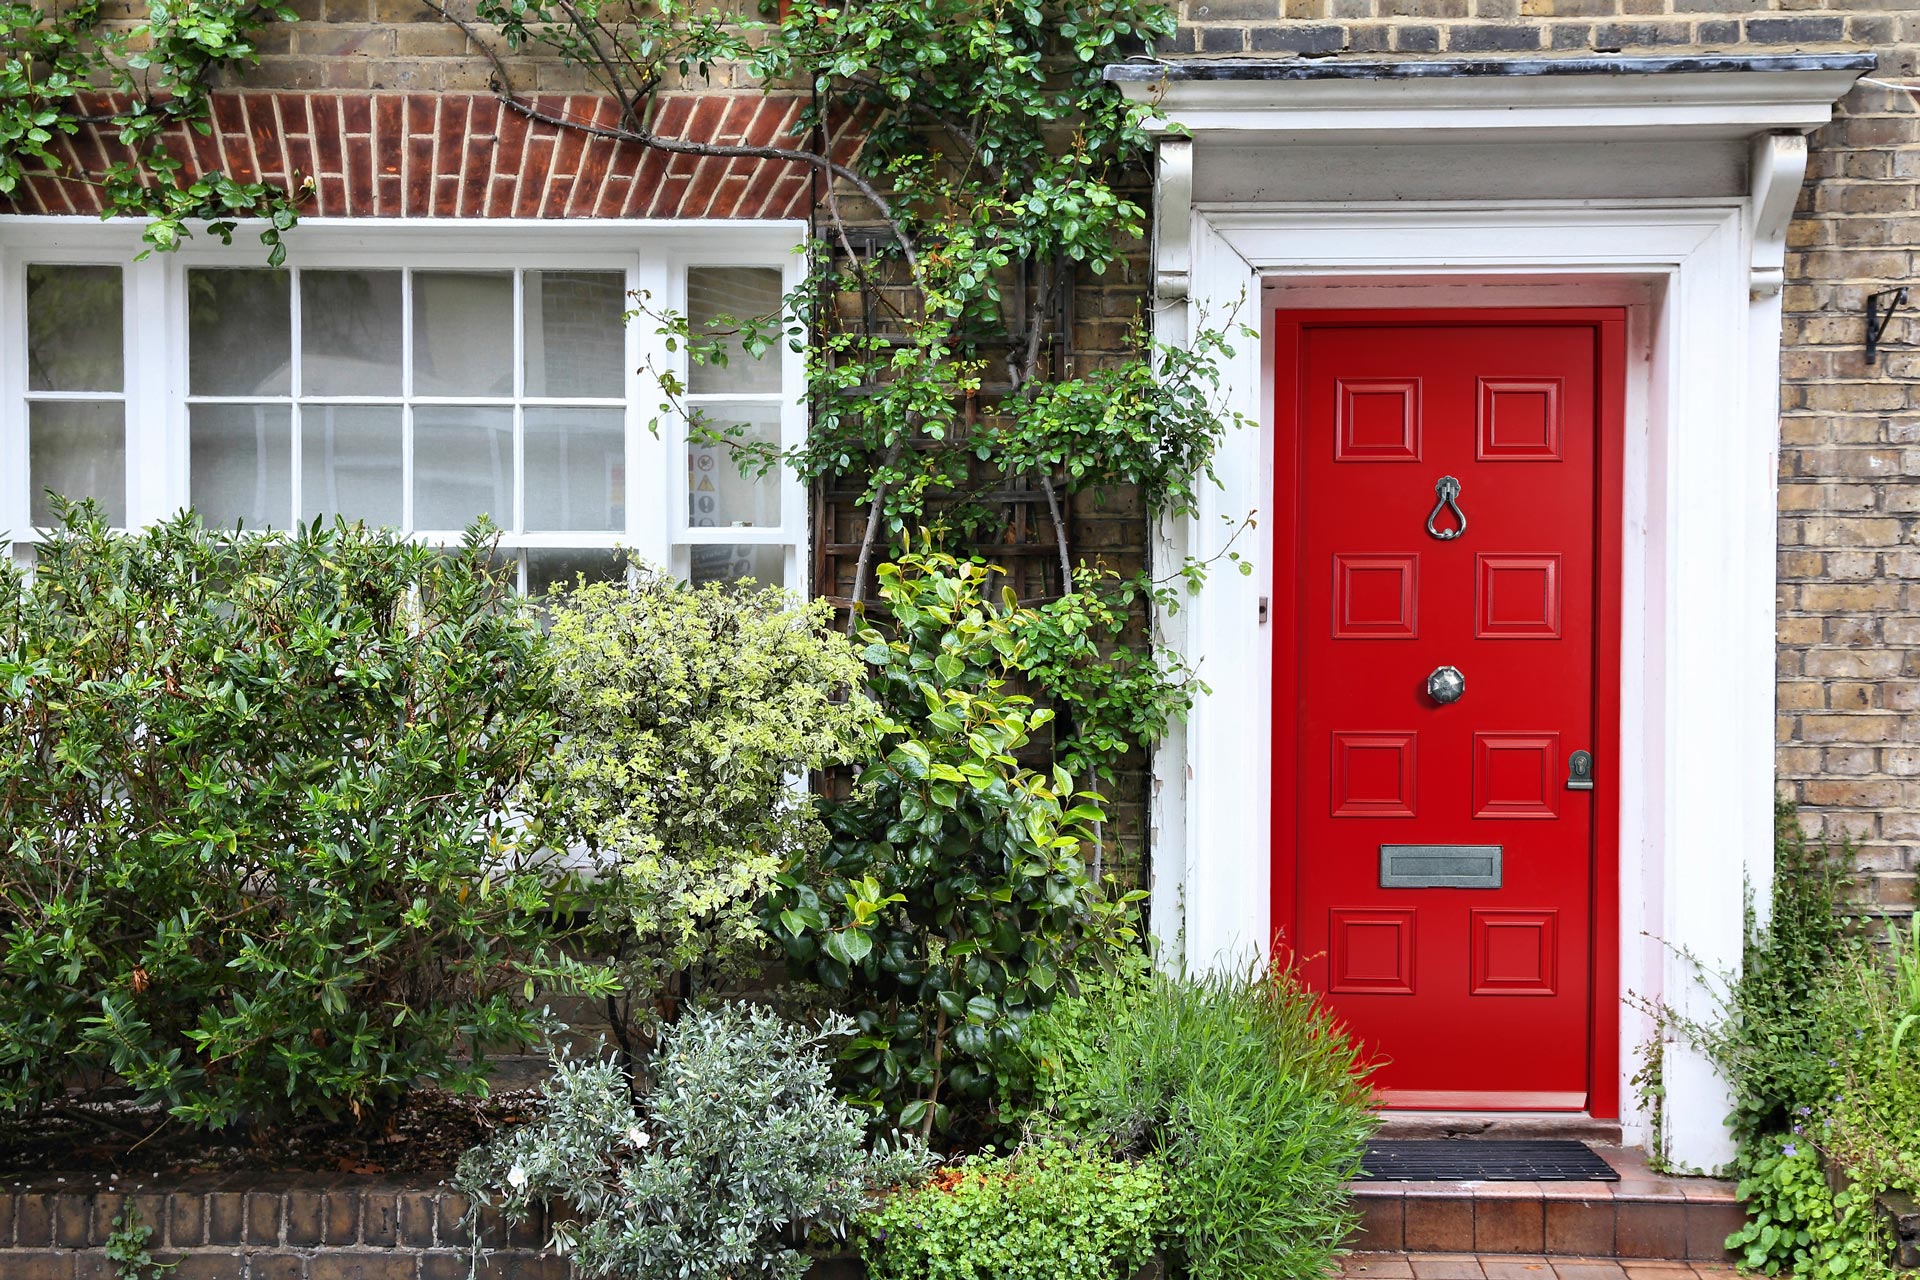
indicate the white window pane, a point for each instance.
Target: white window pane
{"x":239,"y":332}
{"x":462,"y":466}
{"x":78,"y":450}
{"x":546,"y":568}
{"x":349,"y":333}
{"x":350,"y":463}
{"x":722,"y":298}
{"x":462,"y":333}
{"x":718,"y":496}
{"x":576,"y":469}
{"x":241,"y":460}
{"x":74,"y":328}
{"x":576,"y":333}
{"x":765,"y":565}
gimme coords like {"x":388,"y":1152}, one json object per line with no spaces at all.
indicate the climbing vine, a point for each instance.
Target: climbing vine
{"x":149,"y":83}
{"x":997,"y":170}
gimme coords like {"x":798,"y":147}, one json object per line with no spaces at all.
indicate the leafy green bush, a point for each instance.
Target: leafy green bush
{"x":1244,"y":1090}
{"x":1046,"y":1213}
{"x":737,"y":1146}
{"x":953,"y":899}
{"x":256,"y":854}
{"x":1115,"y":696}
{"x":687,"y":714}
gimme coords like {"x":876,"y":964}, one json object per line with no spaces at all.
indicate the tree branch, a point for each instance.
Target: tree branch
{"x":590,"y":35}
{"x":872,"y":531}
{"x":503,"y":88}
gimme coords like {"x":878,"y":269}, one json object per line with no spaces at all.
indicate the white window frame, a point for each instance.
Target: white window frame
{"x":655,"y":255}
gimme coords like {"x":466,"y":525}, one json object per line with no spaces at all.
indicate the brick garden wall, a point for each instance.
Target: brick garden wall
{"x":251,"y":1226}
{"x":259,"y":1227}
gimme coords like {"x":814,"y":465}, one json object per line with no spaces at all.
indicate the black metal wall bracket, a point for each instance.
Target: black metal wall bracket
{"x":1880,"y":311}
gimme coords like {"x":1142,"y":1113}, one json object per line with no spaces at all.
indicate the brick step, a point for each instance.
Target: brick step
{"x":1644,"y":1215}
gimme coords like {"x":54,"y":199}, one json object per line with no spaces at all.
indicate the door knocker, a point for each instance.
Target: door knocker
{"x":1448,"y":491}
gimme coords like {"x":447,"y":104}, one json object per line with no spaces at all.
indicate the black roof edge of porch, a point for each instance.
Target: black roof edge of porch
{"x":1294,"y":68}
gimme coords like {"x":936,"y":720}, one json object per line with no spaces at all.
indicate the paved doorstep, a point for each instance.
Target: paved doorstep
{"x":1509,"y":1266}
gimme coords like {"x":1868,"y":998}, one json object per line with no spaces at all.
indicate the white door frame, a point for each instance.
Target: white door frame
{"x":1700,"y":272}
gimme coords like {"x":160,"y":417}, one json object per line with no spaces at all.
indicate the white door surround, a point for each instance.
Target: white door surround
{"x":1661,"y":185}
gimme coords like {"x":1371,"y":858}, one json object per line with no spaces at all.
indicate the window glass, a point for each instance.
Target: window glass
{"x":350,"y":333}
{"x":764,"y":563}
{"x":719,"y":299}
{"x":545,"y":568}
{"x":241,"y":464}
{"x":462,"y":466}
{"x":74,"y":328}
{"x":239,"y":333}
{"x":576,"y":333}
{"x":718,"y":495}
{"x":351,"y":463}
{"x":576,"y":469}
{"x":78,"y":449}
{"x":462,"y":333}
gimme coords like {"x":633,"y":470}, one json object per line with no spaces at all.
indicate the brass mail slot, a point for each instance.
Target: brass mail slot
{"x":1440,"y":866}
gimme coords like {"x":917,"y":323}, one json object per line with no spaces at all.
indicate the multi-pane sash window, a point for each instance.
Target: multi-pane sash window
{"x":411,"y":385}
{"x":423,"y":400}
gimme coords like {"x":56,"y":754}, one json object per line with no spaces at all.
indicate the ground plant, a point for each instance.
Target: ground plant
{"x":736,"y":1150}
{"x":1241,"y":1089}
{"x":1050,"y":1212}
{"x":257,"y":848}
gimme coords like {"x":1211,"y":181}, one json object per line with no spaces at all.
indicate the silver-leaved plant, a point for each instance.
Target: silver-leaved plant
{"x":736,"y":1152}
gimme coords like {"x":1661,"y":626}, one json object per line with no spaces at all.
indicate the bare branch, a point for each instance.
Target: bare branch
{"x":1059,"y":534}
{"x":688,"y":147}
{"x":590,"y":34}
{"x":635,"y":132}
{"x":872,"y":532}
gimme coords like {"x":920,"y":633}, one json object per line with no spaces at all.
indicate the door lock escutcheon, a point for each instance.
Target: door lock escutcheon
{"x":1580,"y":771}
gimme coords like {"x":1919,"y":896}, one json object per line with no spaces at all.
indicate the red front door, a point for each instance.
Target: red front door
{"x":1438,"y":673}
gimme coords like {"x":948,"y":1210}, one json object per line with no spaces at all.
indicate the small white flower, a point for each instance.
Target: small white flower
{"x":638,"y":1136}
{"x":516,"y":1177}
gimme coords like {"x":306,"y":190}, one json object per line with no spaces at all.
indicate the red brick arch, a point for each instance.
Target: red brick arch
{"x":466,"y":155}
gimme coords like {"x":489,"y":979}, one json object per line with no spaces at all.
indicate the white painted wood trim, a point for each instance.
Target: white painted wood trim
{"x":1776,"y":168}
{"x":1723,"y":103}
